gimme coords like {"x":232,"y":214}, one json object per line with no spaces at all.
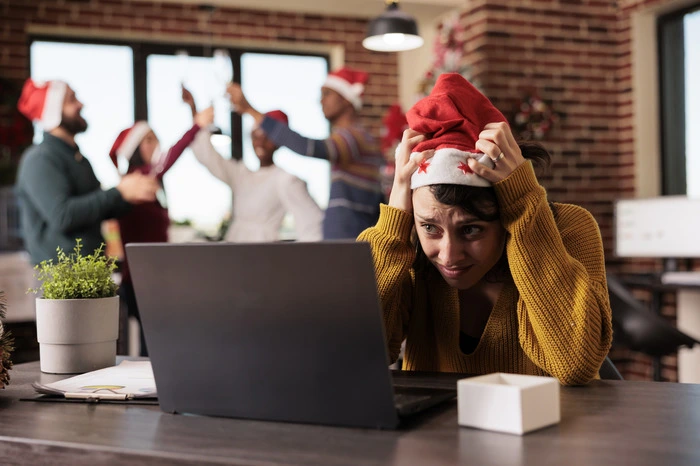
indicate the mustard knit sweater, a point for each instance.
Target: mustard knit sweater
{"x":553,"y":318}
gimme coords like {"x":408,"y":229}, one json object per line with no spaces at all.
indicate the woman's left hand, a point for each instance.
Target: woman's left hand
{"x":497,"y":141}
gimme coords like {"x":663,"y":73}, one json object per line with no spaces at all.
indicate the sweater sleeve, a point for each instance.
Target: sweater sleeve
{"x":223,"y":169}
{"x":393,"y":256}
{"x":558,"y":266}
{"x":51,"y":195}
{"x":176,"y":151}
{"x":308,"y":216}
{"x":282,"y":135}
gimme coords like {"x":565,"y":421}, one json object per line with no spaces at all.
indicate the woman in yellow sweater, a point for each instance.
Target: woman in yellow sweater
{"x":476,"y":270}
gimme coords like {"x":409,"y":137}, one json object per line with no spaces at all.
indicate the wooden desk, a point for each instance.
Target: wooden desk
{"x":640,"y":423}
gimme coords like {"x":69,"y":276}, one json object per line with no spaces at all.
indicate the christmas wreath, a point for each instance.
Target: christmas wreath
{"x":533,"y":118}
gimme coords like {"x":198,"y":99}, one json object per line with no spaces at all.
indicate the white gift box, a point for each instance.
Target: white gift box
{"x":510,"y":403}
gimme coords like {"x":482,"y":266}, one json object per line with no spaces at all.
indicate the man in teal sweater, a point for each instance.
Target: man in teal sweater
{"x":60,"y":197}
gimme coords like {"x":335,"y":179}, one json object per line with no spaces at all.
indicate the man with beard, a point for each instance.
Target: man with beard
{"x":60,"y":196}
{"x":354,"y":155}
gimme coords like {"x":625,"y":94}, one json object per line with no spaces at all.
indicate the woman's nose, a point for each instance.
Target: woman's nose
{"x":450,"y":252}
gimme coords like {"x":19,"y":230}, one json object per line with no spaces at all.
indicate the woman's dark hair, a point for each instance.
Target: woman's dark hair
{"x":136,"y":159}
{"x":483,"y":204}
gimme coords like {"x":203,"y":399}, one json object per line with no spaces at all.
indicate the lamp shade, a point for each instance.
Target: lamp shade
{"x":392,"y":31}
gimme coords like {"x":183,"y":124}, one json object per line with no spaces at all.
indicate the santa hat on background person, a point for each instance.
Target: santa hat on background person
{"x":395,"y":124}
{"x":278,"y":115}
{"x":128,"y":140}
{"x":348,"y":83}
{"x":43,"y":101}
{"x":451,"y":117}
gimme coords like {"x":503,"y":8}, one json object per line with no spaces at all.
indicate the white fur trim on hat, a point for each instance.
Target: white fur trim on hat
{"x":133,"y":139}
{"x":449,"y":166}
{"x":52,"y":113}
{"x":351,"y":92}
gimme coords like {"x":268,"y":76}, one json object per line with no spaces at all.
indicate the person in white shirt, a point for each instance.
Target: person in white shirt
{"x":262,"y":198}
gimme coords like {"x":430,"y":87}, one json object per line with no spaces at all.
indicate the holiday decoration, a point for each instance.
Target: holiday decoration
{"x":448,"y":51}
{"x":533,"y":118}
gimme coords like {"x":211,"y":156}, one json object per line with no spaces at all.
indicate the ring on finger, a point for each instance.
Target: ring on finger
{"x":500,"y":156}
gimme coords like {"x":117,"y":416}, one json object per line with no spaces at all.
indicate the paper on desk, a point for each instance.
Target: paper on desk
{"x":130,"y":379}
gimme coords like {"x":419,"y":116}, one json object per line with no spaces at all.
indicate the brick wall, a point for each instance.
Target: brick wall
{"x":577,"y":54}
{"x":114,"y":18}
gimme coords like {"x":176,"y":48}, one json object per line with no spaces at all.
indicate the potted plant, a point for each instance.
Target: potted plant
{"x":77,"y":316}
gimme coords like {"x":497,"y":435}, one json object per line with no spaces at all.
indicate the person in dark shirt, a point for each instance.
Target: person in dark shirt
{"x":60,"y":198}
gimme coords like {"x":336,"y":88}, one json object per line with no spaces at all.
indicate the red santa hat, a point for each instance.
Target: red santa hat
{"x":43,"y":101}
{"x":128,"y":140}
{"x":348,"y":83}
{"x":278,"y":115}
{"x":394,"y":125}
{"x":451,"y":117}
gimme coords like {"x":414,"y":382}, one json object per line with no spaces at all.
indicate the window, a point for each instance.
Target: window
{"x":102,"y":77}
{"x":679,"y":65}
{"x":125,"y":82}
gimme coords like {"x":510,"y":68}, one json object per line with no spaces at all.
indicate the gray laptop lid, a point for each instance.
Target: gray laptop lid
{"x":275,"y":331}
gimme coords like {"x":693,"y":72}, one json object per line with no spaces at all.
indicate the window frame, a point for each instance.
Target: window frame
{"x":142,"y":49}
{"x":672,"y":124}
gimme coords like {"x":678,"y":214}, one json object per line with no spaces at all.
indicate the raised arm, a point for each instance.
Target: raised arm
{"x":224,"y":169}
{"x":175,"y":152}
{"x":393,"y":255}
{"x":277,"y":131}
{"x":558,"y":266}
{"x":392,"y":250}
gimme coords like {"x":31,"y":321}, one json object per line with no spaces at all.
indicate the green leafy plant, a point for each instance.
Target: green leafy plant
{"x":76,"y":276}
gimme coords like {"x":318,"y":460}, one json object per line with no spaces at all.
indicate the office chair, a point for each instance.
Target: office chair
{"x":640,"y":329}
{"x":608,"y":371}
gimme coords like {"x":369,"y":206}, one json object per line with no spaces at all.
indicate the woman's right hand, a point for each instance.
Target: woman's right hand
{"x":204,"y":118}
{"x":401,"y":196}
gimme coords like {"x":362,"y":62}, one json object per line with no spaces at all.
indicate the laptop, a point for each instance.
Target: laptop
{"x":271,"y":331}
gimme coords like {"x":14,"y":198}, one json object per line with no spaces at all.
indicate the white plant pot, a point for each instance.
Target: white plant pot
{"x":77,"y":335}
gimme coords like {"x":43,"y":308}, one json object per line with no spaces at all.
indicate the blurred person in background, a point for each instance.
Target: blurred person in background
{"x":261,"y":198}
{"x":354,"y":155}
{"x":60,"y":196}
{"x":137,"y":149}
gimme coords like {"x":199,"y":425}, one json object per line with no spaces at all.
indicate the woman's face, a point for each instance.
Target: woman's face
{"x":148,"y":146}
{"x":462,"y":247}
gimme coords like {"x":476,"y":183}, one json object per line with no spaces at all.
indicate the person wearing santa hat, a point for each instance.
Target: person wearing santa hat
{"x":137,"y":150}
{"x":355,"y":156}
{"x":60,"y":197}
{"x":476,"y":270}
{"x":261,"y":198}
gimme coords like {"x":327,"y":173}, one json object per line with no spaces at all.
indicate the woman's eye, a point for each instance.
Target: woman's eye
{"x":428,"y":228}
{"x":470,"y":230}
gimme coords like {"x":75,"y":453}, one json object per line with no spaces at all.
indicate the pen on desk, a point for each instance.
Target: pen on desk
{"x":99,"y":396}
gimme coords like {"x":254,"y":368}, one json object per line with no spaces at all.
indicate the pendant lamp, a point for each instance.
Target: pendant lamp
{"x":392,"y":31}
